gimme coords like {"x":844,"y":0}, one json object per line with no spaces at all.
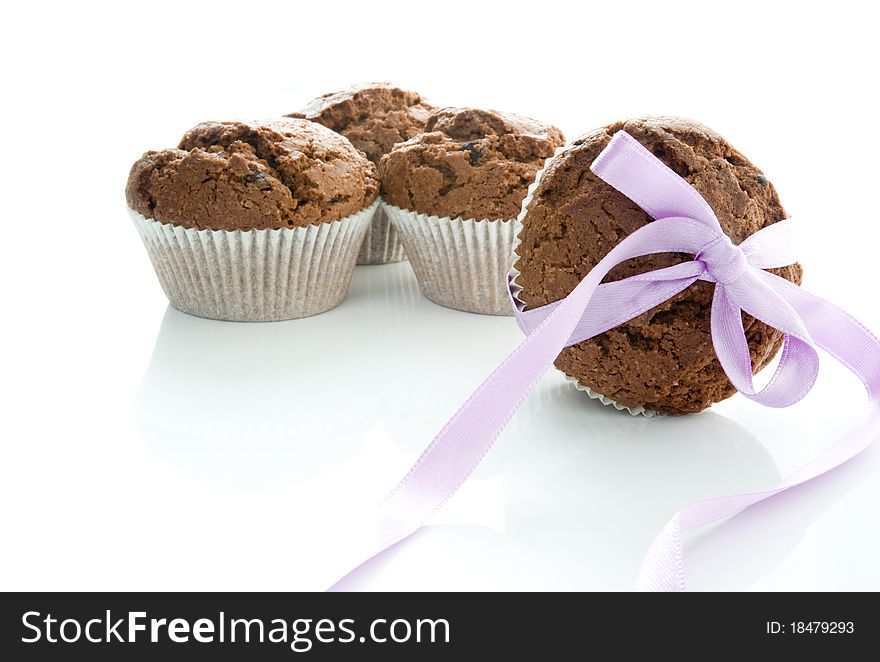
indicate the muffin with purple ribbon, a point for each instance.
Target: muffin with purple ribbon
{"x":663,"y":360}
{"x":453,"y":194}
{"x":374,"y":117}
{"x":254,"y":221}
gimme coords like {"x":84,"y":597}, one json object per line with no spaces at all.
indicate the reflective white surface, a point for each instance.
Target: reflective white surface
{"x":226,"y":458}
{"x":144,"y":449}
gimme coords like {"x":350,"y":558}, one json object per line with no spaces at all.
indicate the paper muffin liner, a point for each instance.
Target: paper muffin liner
{"x":381,"y":244}
{"x":458,"y":263}
{"x":255,"y":275}
{"x":516,"y":289}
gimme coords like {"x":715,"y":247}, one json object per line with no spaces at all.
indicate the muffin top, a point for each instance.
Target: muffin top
{"x":373,"y":116}
{"x":243,"y":175}
{"x":663,"y":359}
{"x":470,"y":164}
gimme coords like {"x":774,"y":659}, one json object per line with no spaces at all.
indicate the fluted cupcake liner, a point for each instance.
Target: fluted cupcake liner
{"x":458,"y":263}
{"x":381,"y":244}
{"x":516,"y":289}
{"x":255,"y":275}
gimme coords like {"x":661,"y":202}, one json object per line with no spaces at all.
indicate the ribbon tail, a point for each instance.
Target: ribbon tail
{"x":854,"y":346}
{"x":663,"y":567}
{"x":460,"y":446}
{"x":835,"y":331}
{"x":465,"y":439}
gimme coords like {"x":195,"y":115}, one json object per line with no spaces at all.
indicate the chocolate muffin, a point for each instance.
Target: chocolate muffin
{"x":374,"y":117}
{"x":242,"y":175}
{"x":254,"y":221}
{"x":453,"y":194}
{"x":662,"y":360}
{"x":470,"y":164}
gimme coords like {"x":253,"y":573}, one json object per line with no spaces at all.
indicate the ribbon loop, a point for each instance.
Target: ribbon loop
{"x":650,"y":183}
{"x":795,"y":374}
{"x":773,"y":246}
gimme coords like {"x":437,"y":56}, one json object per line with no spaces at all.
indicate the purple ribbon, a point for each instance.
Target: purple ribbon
{"x":684,"y":223}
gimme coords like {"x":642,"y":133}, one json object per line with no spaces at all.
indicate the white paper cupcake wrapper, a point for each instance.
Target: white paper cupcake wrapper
{"x":516,"y":289}
{"x":255,"y":275}
{"x":458,"y":263}
{"x":381,"y":244}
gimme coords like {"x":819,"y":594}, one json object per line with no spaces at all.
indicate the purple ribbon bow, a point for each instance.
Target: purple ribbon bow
{"x":684,"y":223}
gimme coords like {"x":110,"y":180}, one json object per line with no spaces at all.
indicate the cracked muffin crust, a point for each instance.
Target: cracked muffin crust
{"x":373,"y":116}
{"x":253,"y":175}
{"x":469,"y":164}
{"x":663,"y":359}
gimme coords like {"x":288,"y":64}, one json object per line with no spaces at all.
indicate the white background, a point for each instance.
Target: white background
{"x":145,"y":449}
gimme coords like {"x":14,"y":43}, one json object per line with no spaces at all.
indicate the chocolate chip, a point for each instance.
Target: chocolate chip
{"x":475,"y":151}
{"x":252,"y":177}
{"x":762,"y":180}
